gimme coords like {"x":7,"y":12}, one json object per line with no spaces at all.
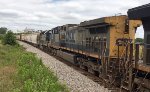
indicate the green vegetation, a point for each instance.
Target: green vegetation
{"x":8,"y":67}
{"x":9,"y":38}
{"x":1,"y":36}
{"x":3,"y":30}
{"x":36,"y":76}
{"x":21,"y":71}
{"x":139,"y":40}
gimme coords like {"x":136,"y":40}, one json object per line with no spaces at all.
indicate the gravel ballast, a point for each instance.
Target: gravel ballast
{"x":75,"y":81}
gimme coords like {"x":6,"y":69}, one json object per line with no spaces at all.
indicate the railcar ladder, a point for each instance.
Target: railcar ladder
{"x":127,"y":81}
{"x":109,"y":75}
{"x":122,"y":68}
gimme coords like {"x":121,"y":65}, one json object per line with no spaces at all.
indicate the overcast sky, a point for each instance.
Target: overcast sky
{"x":45,"y":14}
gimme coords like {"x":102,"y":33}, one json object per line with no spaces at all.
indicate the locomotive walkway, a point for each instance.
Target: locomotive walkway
{"x":75,"y":81}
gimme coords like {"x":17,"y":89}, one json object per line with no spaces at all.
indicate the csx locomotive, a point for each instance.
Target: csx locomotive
{"x":103,"y":47}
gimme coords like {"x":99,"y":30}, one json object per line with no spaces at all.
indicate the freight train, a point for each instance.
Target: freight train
{"x":104,"y":47}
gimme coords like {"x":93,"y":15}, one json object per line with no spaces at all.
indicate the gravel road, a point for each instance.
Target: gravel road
{"x":75,"y":81}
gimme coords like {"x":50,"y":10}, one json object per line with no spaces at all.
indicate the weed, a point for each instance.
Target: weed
{"x":22,"y":71}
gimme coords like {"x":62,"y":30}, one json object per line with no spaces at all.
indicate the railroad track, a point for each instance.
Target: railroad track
{"x":94,"y":78}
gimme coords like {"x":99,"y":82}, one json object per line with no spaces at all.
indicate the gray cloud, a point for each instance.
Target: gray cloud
{"x":8,"y":15}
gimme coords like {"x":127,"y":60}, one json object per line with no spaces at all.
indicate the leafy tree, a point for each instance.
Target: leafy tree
{"x":9,"y":38}
{"x":3,"y":30}
{"x":139,"y":40}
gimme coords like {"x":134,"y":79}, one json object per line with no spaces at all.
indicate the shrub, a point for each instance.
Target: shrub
{"x":139,"y":40}
{"x":9,"y":38}
{"x":1,"y":37}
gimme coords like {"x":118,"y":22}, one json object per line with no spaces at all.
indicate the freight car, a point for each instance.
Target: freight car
{"x":101,"y":46}
{"x":29,"y":37}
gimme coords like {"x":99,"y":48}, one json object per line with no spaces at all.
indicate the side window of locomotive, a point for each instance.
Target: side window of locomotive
{"x":97,"y":41}
{"x":92,"y":31}
{"x":72,"y":35}
{"x":62,"y":36}
{"x":101,"y":30}
{"x":67,"y":36}
{"x":56,"y":32}
{"x":98,"y":30}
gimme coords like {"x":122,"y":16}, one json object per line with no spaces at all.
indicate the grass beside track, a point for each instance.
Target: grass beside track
{"x":22,"y":71}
